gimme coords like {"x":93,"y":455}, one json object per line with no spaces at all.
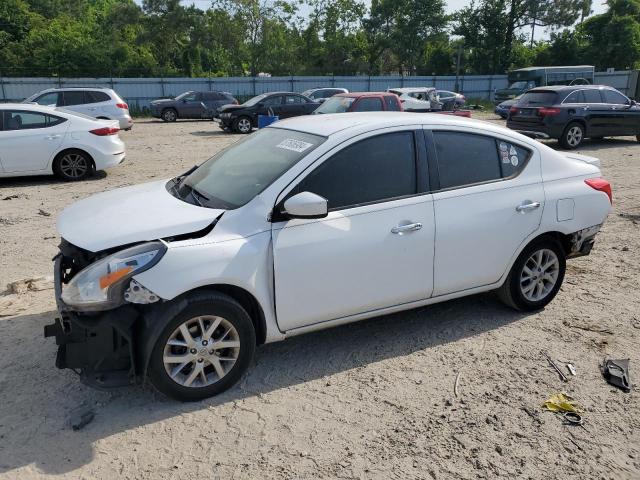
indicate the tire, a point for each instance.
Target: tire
{"x":222,"y":368}
{"x":242,"y":125}
{"x":73,"y":165}
{"x":169,"y":115}
{"x":516,"y":291}
{"x":572,"y":136}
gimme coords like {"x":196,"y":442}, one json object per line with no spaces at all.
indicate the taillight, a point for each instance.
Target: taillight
{"x":601,"y":185}
{"x":513,"y":110}
{"x":124,"y":106}
{"x":548,"y":112}
{"x":102,"y":132}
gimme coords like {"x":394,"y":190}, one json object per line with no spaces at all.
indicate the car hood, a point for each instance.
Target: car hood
{"x":129,"y":215}
{"x":231,"y":107}
{"x":162,"y":100}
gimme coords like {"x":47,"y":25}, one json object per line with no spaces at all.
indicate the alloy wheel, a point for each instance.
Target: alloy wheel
{"x":169,"y":116}
{"x":539,"y":275}
{"x":74,"y":166}
{"x":574,"y":136}
{"x":201,"y":351}
{"x":244,"y":125}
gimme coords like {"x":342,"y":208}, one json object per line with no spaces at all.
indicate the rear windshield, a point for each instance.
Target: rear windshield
{"x":237,"y":174}
{"x":537,"y":98}
{"x":335,"y":105}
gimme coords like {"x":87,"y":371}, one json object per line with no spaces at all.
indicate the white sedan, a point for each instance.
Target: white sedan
{"x":40,"y":140}
{"x":310,"y":223}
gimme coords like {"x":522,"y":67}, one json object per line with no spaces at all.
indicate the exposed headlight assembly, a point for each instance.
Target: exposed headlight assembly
{"x":101,"y":285}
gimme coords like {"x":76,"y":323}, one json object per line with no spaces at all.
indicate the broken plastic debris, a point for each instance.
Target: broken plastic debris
{"x":561,"y":403}
{"x":616,"y":372}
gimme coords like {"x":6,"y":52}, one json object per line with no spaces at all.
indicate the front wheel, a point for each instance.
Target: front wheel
{"x":242,"y":125}
{"x":169,"y":115}
{"x":572,"y":136}
{"x":536,"y":276}
{"x":204,"y":348}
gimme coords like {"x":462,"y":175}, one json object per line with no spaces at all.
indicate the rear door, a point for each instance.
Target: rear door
{"x":293,"y":106}
{"x":600,"y":121}
{"x":98,"y":103}
{"x":74,"y":100}
{"x":29,"y":139}
{"x":191,"y":106}
{"x":488,"y":198}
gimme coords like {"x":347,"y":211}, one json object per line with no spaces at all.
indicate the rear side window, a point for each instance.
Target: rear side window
{"x":25,"y":120}
{"x":368,"y":104}
{"x":537,"y":98}
{"x":467,"y":159}
{"x":372,"y":170}
{"x":209,"y":96}
{"x":71,"y":98}
{"x":293,"y":99}
{"x":574,"y":97}
{"x":616,"y":98}
{"x":96,"y":97}
{"x":591,"y":96}
{"x":392,"y":103}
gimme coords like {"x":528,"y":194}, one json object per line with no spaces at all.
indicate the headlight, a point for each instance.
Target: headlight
{"x":100,"y":286}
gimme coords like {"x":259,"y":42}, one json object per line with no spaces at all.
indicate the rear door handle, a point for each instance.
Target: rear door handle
{"x":527,"y":206}
{"x":409,"y":227}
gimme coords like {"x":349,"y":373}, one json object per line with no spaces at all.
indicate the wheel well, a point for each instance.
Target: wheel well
{"x":169,"y":108}
{"x":563,"y":239}
{"x":66,"y":150}
{"x":248,"y":302}
{"x":581,"y":122}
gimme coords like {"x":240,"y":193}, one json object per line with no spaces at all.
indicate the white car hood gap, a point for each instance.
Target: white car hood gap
{"x":132,"y":214}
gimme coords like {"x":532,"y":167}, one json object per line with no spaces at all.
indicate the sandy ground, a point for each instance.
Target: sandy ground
{"x":369,"y":400}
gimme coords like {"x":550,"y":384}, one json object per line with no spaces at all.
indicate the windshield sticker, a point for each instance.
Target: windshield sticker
{"x":505,"y":157}
{"x":512,"y":151}
{"x":503,"y":147}
{"x":294,"y":145}
{"x":514,"y":161}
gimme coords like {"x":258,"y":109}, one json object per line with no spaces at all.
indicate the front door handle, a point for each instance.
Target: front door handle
{"x":527,"y":206}
{"x":409,"y":227}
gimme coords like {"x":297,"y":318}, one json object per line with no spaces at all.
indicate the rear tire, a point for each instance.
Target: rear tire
{"x":73,"y":165}
{"x":535,"y":277}
{"x":215,"y":337}
{"x":572,"y":136}
{"x":169,"y":115}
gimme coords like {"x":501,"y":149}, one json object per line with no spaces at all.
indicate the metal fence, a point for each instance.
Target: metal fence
{"x":138,"y":92}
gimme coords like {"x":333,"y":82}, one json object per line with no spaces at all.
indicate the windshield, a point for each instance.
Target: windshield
{"x":254,"y":100}
{"x":518,"y":85}
{"x":537,"y":98}
{"x":335,"y":105}
{"x":237,"y":174}
{"x":182,"y":95}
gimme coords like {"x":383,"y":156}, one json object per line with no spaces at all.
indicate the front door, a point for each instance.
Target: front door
{"x":191,"y":106}
{"x":375,"y":247}
{"x":29,"y":139}
{"x":490,"y":200}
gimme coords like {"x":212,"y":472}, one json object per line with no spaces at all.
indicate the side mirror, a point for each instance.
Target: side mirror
{"x":306,"y":205}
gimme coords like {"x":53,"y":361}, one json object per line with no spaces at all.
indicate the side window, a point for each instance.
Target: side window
{"x":190,"y":97}
{"x":591,"y":96}
{"x":368,"y":104}
{"x":72,"y":97}
{"x":95,"y":97}
{"x":616,"y":98}
{"x":513,"y":158}
{"x":272,"y":101}
{"x":372,"y":170}
{"x":25,"y":120}
{"x":465,"y":159}
{"x":50,"y":98}
{"x":392,"y":103}
{"x":294,"y":99}
{"x":574,"y":97}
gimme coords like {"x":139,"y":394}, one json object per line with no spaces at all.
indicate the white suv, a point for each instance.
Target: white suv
{"x":101,"y":103}
{"x":313,"y":222}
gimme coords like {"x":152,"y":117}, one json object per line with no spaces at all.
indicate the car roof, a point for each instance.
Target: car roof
{"x":26,"y":106}
{"x":567,"y":88}
{"x":59,"y":89}
{"x":363,"y":94}
{"x":328,"y":124}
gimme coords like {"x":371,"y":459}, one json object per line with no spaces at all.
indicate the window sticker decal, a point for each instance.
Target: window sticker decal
{"x":514,"y":160}
{"x":294,"y":145}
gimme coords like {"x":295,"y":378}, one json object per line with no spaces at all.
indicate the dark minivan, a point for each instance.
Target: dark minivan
{"x":573,"y":113}
{"x":191,"y":105}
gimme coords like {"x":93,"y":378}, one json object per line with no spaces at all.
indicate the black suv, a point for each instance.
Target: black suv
{"x":243,"y":118}
{"x":191,"y":105}
{"x":573,"y":113}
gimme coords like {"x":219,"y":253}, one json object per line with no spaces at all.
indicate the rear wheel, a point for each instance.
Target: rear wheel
{"x":536,"y":276}
{"x":169,"y":115}
{"x":204,"y":348}
{"x":242,"y":125}
{"x":73,"y":165}
{"x":572,"y":136}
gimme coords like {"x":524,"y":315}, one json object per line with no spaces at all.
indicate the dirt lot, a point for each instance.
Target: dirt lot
{"x":370,"y":400}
